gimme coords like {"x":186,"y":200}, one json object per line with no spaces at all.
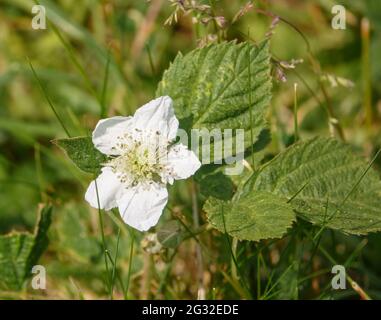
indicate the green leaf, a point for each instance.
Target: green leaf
{"x":327,"y":180}
{"x":83,"y":153}
{"x":19,"y":252}
{"x":253,"y":216}
{"x":217,"y":185}
{"x":215,"y":88}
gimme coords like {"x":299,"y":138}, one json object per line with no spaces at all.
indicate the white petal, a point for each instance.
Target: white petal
{"x":109,"y":190}
{"x":141,"y":208}
{"x":158,"y":115}
{"x":182,"y":162}
{"x":106,"y":132}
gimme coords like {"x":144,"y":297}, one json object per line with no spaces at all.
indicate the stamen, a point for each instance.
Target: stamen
{"x":142,"y":159}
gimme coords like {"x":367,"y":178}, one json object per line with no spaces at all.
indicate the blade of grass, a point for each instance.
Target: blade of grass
{"x":354,"y":187}
{"x":267,"y":295}
{"x":104,"y":87}
{"x":117,"y":275}
{"x":48,"y":99}
{"x":200,"y":262}
{"x":258,"y":275}
{"x":227,"y":237}
{"x":236,"y":285}
{"x":76,"y":63}
{"x":150,"y":59}
{"x":132,"y":235}
{"x":103,"y":237}
{"x":113,"y":275}
{"x":366,"y":72}
{"x":296,"y":129}
{"x":355,"y":286}
{"x":333,"y":121}
{"x":251,"y":108}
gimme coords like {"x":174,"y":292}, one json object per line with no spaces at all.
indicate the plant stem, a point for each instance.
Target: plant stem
{"x":233,"y":266}
{"x":355,"y":286}
{"x":366,"y":78}
{"x":251,"y":109}
{"x":296,"y":129}
{"x":102,"y":236}
{"x":258,"y":274}
{"x":150,"y":59}
{"x":113,"y":276}
{"x":129,"y":263}
{"x":48,"y":99}
{"x":196,"y":225}
{"x":104,"y":87}
{"x":333,"y":122}
{"x":245,"y":288}
{"x":76,"y":63}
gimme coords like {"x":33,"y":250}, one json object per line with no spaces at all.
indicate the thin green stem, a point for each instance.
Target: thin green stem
{"x":150,"y":59}
{"x":354,"y":186}
{"x":103,"y":237}
{"x":333,"y":121}
{"x":48,"y":99}
{"x":366,"y":72}
{"x":296,"y":128}
{"x":233,"y":267}
{"x":200,"y":262}
{"x":113,"y":275}
{"x":353,"y":283}
{"x":104,"y":87}
{"x":258,"y":275}
{"x":129,"y":263}
{"x":251,"y":108}
{"x":227,"y":237}
{"x":76,"y":63}
{"x":266,"y":294}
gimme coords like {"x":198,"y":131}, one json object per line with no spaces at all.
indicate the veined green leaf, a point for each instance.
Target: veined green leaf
{"x":83,"y":153}
{"x":325,"y":183}
{"x":19,"y":252}
{"x":213,"y":86}
{"x":253,"y":216}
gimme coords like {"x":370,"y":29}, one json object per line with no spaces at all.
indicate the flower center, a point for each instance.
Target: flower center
{"x":142,"y":158}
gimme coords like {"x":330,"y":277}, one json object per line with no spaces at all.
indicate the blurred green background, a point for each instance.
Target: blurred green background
{"x":128,"y":43}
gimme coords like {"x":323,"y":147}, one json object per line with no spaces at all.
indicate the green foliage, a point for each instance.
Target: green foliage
{"x":82,"y":152}
{"x":73,"y":70}
{"x":217,"y":185}
{"x":215,"y":87}
{"x":253,"y":216}
{"x":326,"y":184}
{"x":19,"y":252}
